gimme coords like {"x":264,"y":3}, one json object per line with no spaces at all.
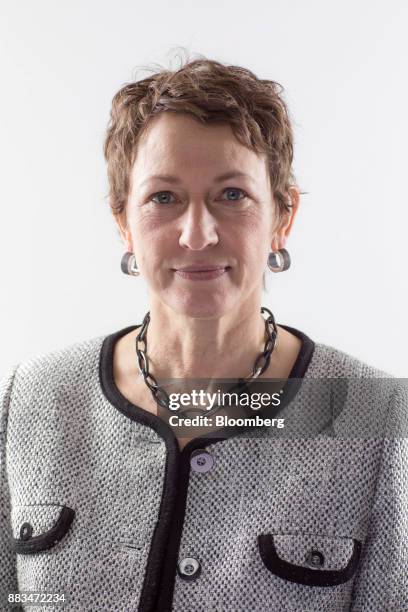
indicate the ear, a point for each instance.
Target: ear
{"x":282,"y":232}
{"x":124,"y":231}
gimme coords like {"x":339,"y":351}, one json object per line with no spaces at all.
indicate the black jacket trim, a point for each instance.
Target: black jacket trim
{"x":49,"y":538}
{"x":304,"y":575}
{"x":161,"y":568}
{"x":169,"y":493}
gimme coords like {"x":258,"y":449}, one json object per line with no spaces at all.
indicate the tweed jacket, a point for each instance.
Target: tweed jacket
{"x":98,"y":502}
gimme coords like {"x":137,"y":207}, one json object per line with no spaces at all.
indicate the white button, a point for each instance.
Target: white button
{"x":201,"y":461}
{"x":189,"y":568}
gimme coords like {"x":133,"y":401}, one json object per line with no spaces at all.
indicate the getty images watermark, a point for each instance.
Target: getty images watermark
{"x":202,"y":401}
{"x":346,"y":407}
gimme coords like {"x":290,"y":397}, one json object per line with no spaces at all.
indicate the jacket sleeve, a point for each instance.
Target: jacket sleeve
{"x":8,"y":578}
{"x":381,"y":584}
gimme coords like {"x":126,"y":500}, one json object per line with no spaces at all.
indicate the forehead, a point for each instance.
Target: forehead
{"x":173,"y":142}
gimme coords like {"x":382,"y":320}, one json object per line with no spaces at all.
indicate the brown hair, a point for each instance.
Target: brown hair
{"x":211,"y":92}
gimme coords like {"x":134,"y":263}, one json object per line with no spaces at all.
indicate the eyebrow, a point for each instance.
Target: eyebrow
{"x":169,"y":178}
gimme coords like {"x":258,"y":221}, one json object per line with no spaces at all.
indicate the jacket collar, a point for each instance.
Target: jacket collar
{"x":137,"y":413}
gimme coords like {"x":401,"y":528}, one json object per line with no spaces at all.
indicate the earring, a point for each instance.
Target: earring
{"x":279,"y":261}
{"x":128,"y":264}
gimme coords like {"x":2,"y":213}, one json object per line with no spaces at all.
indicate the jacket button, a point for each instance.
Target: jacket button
{"x":26,"y":531}
{"x":201,"y":461}
{"x":315,"y":558}
{"x":189,"y":568}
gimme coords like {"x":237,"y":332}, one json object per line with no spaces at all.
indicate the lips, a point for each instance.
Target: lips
{"x":201,"y":268}
{"x":201,"y":272}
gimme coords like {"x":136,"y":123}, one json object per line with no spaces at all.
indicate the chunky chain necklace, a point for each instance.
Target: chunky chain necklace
{"x":261,"y":363}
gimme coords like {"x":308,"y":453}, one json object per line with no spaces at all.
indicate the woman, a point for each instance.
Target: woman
{"x":104,"y":504}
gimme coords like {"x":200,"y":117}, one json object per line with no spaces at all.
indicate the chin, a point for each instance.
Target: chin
{"x":202,"y":307}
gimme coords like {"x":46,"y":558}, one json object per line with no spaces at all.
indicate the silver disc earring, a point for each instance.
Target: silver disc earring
{"x":128,"y":264}
{"x":279,"y":261}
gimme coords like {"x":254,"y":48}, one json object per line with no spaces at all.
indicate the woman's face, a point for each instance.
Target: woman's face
{"x":192,"y":215}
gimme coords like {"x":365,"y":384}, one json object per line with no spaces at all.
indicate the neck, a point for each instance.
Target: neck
{"x":179,"y":346}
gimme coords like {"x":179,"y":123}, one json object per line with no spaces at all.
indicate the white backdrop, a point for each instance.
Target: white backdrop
{"x":342,"y":65}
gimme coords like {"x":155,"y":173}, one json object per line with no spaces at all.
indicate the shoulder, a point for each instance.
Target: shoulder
{"x":362,"y":393}
{"x":329,"y":361}
{"x":68,"y":360}
{"x":76,"y":355}
{"x":48,"y":375}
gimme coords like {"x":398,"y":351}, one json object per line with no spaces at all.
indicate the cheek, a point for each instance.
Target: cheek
{"x":155,"y":238}
{"x":154,"y":251}
{"x":145,"y":224}
{"x":147,"y":234}
{"x":250,"y":239}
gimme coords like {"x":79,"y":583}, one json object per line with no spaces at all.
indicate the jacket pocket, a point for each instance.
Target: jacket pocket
{"x":310,"y":559}
{"x":38,"y":527}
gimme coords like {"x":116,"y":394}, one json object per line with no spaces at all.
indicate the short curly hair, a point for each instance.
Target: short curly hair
{"x":212,"y":93}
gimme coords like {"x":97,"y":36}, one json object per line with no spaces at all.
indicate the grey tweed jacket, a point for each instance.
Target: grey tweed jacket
{"x":98,"y":503}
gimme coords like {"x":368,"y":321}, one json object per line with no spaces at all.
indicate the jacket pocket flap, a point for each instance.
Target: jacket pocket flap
{"x":37,"y":527}
{"x":310,"y":559}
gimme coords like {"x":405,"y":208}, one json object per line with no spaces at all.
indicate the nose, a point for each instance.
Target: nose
{"x":198,"y":227}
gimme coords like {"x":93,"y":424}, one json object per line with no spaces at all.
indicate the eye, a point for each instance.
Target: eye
{"x":160,"y":194}
{"x":234,"y":190}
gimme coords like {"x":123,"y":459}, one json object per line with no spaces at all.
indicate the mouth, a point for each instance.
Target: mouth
{"x":204,"y":267}
{"x":204,"y":272}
